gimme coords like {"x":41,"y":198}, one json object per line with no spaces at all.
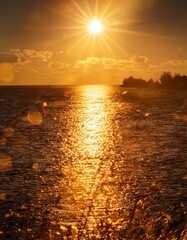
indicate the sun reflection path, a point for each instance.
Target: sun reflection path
{"x":91,"y":188}
{"x":94,"y":124}
{"x":95,"y":133}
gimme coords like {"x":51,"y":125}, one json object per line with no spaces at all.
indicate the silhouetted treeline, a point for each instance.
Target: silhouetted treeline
{"x":166,"y":81}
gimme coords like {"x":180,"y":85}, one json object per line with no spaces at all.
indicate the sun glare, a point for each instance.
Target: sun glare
{"x":95,"y":26}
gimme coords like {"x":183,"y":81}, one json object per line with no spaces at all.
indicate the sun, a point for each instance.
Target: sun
{"x":95,"y":26}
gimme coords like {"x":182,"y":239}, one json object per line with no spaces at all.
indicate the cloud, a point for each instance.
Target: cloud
{"x":6,"y":72}
{"x":121,"y":64}
{"x":44,"y":55}
{"x":54,"y":66}
{"x":175,"y":66}
{"x":97,"y":64}
{"x":16,"y":60}
{"x":33,"y":65}
{"x":104,"y":61}
{"x":28,"y":55}
{"x":108,"y":61}
{"x":139,"y":59}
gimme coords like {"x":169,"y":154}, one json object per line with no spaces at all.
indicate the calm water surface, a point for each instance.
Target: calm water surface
{"x":92,"y":162}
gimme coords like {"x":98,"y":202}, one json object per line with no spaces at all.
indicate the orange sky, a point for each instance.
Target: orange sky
{"x":47,"y":42}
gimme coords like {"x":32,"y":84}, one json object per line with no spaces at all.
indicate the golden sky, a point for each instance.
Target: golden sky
{"x":48,"y":41}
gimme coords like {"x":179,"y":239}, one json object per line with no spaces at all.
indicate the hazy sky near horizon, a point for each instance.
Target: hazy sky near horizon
{"x":47,"y":41}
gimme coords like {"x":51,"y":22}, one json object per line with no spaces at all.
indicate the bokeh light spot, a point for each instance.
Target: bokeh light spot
{"x":35,"y":166}
{"x":34,"y":117}
{"x":5,"y":162}
{"x":2,"y":196}
{"x":44,"y":104}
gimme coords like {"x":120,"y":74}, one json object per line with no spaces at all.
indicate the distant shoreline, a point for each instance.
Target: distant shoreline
{"x":166,"y":82}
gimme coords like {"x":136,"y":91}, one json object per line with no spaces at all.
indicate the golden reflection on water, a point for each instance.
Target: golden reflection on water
{"x":93,"y":120}
{"x":94,"y":127}
{"x":90,"y":168}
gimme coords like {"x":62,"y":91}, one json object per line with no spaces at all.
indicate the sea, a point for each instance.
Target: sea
{"x":93,"y":162}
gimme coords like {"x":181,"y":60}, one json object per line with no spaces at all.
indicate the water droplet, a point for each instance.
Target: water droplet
{"x":34,"y":117}
{"x":35,"y":166}
{"x":147,"y":114}
{"x":63,"y":229}
{"x":44,"y":104}
{"x":5,"y":162}
{"x":124,"y":92}
{"x":74,"y":229}
{"x":8,"y":132}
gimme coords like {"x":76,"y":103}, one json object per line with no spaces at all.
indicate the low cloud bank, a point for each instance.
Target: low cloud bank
{"x":45,"y":67}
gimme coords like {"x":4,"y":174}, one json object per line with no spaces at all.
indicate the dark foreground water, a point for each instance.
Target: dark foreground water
{"x":93,"y":162}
